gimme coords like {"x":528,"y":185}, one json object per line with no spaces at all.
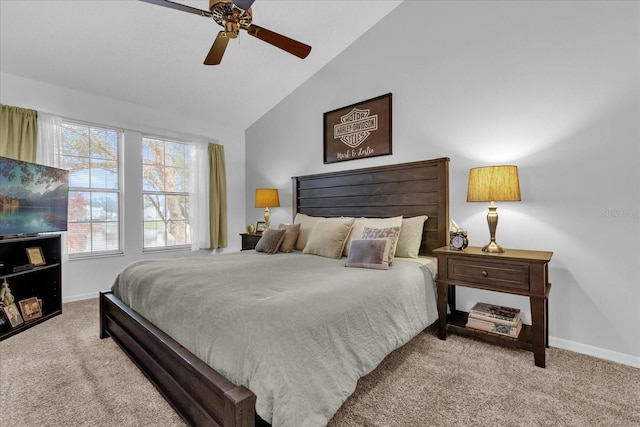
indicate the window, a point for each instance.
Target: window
{"x":165,"y":192}
{"x":92,"y":155}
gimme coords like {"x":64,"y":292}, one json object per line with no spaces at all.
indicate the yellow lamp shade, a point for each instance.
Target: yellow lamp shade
{"x":493,"y":184}
{"x":267,"y":198}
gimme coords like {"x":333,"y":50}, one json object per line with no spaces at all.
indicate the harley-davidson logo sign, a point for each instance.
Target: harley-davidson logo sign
{"x":358,"y":130}
{"x":356,"y":126}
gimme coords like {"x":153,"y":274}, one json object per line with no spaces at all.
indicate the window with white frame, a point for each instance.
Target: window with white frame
{"x":92,"y":156}
{"x":165,"y":193}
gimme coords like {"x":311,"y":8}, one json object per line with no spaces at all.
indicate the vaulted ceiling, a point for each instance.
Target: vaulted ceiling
{"x":153,"y":56}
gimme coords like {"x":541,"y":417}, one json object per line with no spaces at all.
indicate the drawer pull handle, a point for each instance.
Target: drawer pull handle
{"x":484,"y":273}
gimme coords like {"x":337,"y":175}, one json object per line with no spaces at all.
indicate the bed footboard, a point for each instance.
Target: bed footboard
{"x":196,"y":391}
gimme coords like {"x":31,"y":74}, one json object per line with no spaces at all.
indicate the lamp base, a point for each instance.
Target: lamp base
{"x":493,"y":248}
{"x":267,"y":221}
{"x":492,"y":219}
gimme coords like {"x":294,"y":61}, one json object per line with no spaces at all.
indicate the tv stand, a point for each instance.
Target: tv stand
{"x":27,"y":281}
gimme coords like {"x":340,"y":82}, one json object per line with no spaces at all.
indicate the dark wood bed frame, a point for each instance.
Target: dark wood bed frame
{"x":203,"y":397}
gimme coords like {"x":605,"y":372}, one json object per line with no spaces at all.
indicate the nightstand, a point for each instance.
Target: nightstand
{"x":517,"y":272}
{"x":249,"y":241}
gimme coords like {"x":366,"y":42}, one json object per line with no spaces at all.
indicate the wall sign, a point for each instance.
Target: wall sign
{"x":359,"y":130}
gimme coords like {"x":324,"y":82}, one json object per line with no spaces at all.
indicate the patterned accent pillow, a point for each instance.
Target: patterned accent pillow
{"x":373,"y":253}
{"x":270,"y":241}
{"x":391,"y":234}
{"x":360,"y":223}
{"x":291,"y":232}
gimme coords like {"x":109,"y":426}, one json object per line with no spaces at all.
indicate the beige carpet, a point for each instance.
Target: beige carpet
{"x":60,"y":373}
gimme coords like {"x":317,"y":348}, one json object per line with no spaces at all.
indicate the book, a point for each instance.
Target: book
{"x":495,"y":311}
{"x":498,"y":328}
{"x":495,"y":319}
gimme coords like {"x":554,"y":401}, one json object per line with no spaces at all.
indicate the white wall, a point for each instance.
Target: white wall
{"x":86,"y":277}
{"x":552,"y":87}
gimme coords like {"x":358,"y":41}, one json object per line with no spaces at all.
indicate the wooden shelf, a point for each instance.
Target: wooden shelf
{"x":43,"y":282}
{"x":456,"y":323}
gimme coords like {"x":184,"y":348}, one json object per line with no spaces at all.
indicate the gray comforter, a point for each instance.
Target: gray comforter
{"x":298,"y":330}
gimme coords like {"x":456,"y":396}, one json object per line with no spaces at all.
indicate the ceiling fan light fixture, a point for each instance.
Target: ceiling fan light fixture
{"x":231,"y":29}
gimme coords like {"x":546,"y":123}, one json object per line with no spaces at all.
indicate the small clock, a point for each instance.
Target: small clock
{"x":458,"y":239}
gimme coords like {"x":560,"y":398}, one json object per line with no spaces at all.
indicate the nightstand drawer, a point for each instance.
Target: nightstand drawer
{"x":249,"y":241}
{"x":495,"y":274}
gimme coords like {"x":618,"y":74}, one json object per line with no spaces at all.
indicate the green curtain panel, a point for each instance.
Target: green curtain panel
{"x":18,"y":133}
{"x":217,"y":197}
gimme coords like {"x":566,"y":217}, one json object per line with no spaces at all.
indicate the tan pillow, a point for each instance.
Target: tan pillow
{"x":361,"y":223}
{"x":372,"y":253}
{"x":291,"y":232}
{"x":270,"y":241}
{"x":306,"y":225}
{"x":328,"y":237}
{"x":410,"y":237}
{"x":391,"y":234}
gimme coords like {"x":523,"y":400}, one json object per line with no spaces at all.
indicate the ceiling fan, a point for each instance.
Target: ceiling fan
{"x":234,"y":15}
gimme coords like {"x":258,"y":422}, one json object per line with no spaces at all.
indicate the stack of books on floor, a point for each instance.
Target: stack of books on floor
{"x":494,"y":318}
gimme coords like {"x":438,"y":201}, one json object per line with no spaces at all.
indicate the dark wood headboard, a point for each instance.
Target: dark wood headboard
{"x":407,"y":189}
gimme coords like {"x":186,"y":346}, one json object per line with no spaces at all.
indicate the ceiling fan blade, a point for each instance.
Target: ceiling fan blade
{"x":217,"y":49}
{"x":243,"y":4}
{"x":292,"y":46}
{"x":178,"y":6}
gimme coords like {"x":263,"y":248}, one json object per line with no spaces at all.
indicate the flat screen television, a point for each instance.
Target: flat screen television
{"x":33,"y":198}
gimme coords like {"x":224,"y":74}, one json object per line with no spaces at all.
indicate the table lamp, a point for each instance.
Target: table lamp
{"x":267,"y":198}
{"x":493,"y":184}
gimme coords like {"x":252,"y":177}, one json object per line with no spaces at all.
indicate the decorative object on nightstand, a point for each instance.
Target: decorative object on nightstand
{"x":267,"y":198}
{"x":457,"y":236}
{"x":493,"y":184}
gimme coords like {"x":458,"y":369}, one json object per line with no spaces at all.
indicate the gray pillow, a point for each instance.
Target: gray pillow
{"x":270,"y":241}
{"x":390,"y":234}
{"x":372,"y":253}
{"x":290,"y":236}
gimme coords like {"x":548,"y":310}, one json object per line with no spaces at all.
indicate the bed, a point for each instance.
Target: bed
{"x":206,"y":396}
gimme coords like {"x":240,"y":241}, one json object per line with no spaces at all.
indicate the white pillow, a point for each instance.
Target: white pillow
{"x":306,"y":225}
{"x":360,"y":223}
{"x":410,"y":237}
{"x":328,"y":237}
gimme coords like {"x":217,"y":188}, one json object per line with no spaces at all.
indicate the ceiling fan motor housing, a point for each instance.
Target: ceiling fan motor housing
{"x":230,"y":17}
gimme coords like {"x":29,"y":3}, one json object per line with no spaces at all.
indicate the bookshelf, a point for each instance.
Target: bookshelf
{"x":27,"y":281}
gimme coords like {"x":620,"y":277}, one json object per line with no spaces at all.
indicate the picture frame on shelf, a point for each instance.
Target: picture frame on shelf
{"x":261,"y":226}
{"x":31,"y":308}
{"x":12,"y":314}
{"x":35,"y":256}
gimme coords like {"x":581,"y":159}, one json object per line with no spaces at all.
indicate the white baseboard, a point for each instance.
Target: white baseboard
{"x":614,"y":356}
{"x":80,"y":297}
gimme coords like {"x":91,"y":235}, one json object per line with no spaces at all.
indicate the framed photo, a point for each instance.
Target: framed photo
{"x":12,"y":314}
{"x":35,"y":256}
{"x":358,"y":130}
{"x":31,"y":308}
{"x":261,"y":226}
